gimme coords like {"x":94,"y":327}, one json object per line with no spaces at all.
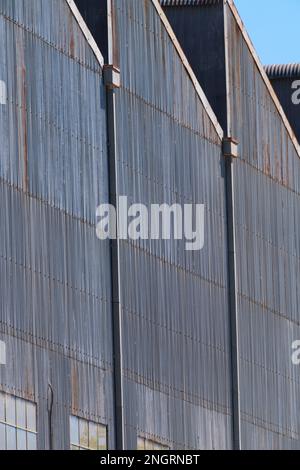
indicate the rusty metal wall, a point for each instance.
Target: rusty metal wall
{"x":177,"y":384}
{"x":267,"y":178}
{"x":55,"y":280}
{"x":55,"y":276}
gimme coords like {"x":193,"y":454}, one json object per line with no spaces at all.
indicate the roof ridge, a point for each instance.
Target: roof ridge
{"x":283,"y":70}
{"x":188,"y":3}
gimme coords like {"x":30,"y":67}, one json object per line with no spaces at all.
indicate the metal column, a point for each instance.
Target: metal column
{"x":230,"y":153}
{"x":112,"y":81}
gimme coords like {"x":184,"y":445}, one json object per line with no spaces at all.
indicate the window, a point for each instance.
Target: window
{"x":149,"y":444}
{"x":17,"y":423}
{"x":2,"y":353}
{"x":87,"y":435}
{"x":2,"y":92}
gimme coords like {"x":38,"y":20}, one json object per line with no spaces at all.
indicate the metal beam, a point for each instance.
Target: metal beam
{"x":111,"y":78}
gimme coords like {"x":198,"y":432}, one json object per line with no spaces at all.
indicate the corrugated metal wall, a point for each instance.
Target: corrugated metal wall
{"x":267,"y":178}
{"x":55,"y":308}
{"x":55,"y":276}
{"x":174,"y":303}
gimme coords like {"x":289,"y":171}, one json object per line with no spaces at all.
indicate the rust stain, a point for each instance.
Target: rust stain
{"x":24,"y":127}
{"x":266,"y":158}
{"x":29,"y":390}
{"x":72,"y":45}
{"x":285,"y":160}
{"x":72,"y":38}
{"x":146,"y":8}
{"x":22,"y":117}
{"x":115,"y":36}
{"x":75,"y":387}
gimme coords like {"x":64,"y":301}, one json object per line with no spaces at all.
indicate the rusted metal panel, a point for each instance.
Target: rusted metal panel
{"x":267,"y":177}
{"x":174,"y":303}
{"x":262,"y":76}
{"x":56,"y":296}
{"x":55,"y":310}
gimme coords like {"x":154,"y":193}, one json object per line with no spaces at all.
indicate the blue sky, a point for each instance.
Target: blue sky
{"x":274,"y":27}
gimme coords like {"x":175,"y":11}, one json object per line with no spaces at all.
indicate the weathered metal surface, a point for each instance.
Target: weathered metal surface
{"x":174,"y":303}
{"x":267,"y":234}
{"x":55,"y":280}
{"x":285,"y":80}
{"x":263,"y":76}
{"x":266,"y":177}
{"x":55,"y":276}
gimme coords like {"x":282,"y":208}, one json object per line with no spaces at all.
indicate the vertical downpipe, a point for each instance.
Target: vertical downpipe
{"x":231,"y":249}
{"x":50,"y":414}
{"x":112,"y":72}
{"x":234,"y":327}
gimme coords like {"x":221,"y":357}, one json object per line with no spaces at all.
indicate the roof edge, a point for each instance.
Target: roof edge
{"x":86,"y":32}
{"x":189,"y":3}
{"x":261,"y":69}
{"x":283,"y":70}
{"x":189,"y":69}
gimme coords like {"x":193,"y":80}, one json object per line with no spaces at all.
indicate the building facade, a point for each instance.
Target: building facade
{"x":142,"y":344}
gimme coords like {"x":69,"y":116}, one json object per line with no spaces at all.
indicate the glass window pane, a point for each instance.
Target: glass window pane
{"x":10,"y":406}
{"x":93,"y":436}
{"x":140,"y":443}
{"x":87,"y":435}
{"x":21,"y":413}
{"x":31,"y":416}
{"x":31,"y":441}
{"x":83,"y":433}
{"x":74,"y":430}
{"x":2,"y":437}
{"x":102,"y":437}
{"x":11,"y":438}
{"x":2,"y":406}
{"x":21,"y":439}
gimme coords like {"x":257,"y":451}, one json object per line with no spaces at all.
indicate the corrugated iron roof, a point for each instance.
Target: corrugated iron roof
{"x":283,"y":70}
{"x":189,"y":3}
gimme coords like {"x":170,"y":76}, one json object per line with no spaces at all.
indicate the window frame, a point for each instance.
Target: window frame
{"x":100,"y":426}
{"x":16,"y":418}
